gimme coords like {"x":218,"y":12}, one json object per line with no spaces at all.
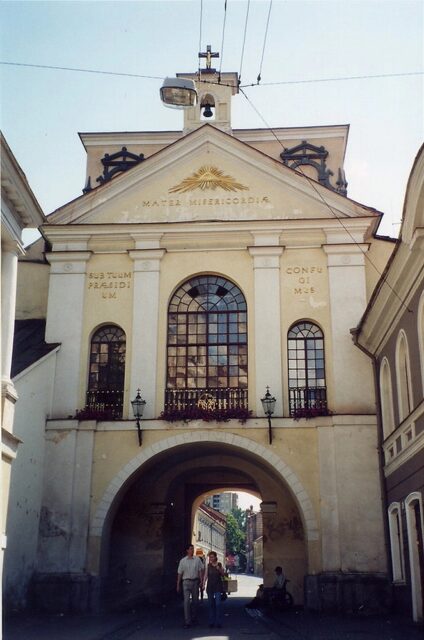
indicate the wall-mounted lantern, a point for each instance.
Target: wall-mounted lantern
{"x":138,"y":405}
{"x":268,"y":404}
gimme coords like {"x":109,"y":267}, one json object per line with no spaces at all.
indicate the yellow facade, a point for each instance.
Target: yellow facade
{"x":216,"y":203}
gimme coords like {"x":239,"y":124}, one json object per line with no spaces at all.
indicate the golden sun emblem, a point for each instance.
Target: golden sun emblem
{"x":208,"y":178}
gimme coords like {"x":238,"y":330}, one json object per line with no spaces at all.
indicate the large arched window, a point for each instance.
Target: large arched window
{"x":386,"y":396}
{"x":403,"y":377}
{"x":396,"y":542}
{"x":420,"y":327}
{"x":307,"y":390}
{"x":107,"y":371}
{"x":207,"y":344}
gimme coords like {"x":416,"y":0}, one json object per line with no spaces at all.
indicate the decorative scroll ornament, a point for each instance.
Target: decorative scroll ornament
{"x":118,"y":162}
{"x":309,"y":154}
{"x":207,"y":402}
{"x":208,"y":178}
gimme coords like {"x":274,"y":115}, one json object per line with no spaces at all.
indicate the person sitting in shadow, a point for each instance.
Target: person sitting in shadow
{"x":259,"y":601}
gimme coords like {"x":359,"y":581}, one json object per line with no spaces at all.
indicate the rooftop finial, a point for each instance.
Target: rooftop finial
{"x":208,"y":54}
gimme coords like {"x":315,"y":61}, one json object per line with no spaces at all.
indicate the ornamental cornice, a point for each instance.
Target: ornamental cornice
{"x":346,"y":255}
{"x":68,"y":262}
{"x":391,"y":300}
{"x":266,"y":257}
{"x":146,"y":259}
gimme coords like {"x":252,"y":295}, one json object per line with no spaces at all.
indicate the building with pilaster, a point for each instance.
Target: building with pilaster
{"x":19,"y":210}
{"x":201,"y":266}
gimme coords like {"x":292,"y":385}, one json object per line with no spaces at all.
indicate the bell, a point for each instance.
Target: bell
{"x":207,"y":111}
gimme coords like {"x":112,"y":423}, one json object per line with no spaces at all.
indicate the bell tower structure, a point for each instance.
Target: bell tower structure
{"x":214,"y":90}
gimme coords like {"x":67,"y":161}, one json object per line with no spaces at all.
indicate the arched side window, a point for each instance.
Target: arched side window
{"x":306,"y":367}
{"x":207,"y":345}
{"x":420,"y":327}
{"x":396,"y":542}
{"x":107,"y":371}
{"x":386,"y":395}
{"x":403,"y":377}
{"x":415,"y":526}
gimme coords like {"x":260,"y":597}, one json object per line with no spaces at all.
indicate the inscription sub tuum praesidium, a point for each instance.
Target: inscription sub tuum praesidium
{"x":304,"y":278}
{"x":109,"y":283}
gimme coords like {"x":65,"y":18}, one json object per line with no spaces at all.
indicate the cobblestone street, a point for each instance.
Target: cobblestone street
{"x":165,"y":623}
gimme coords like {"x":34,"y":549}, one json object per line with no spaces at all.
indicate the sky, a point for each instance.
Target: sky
{"x":247,"y":500}
{"x":42,"y":110}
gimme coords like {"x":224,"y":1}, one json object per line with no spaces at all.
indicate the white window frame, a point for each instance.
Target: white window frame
{"x":396,"y":542}
{"x":403,"y":377}
{"x":420,"y":328}
{"x":386,"y":396}
{"x":416,"y":589}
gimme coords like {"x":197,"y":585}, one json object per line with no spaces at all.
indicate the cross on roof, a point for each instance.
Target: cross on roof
{"x":208,"y":54}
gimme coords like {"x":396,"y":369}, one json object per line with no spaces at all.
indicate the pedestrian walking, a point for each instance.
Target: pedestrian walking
{"x":190,"y":573}
{"x":213,"y":581}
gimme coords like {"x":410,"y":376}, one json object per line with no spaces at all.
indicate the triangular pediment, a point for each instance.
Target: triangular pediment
{"x":207,"y":176}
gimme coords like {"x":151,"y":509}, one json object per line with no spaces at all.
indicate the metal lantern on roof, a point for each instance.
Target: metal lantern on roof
{"x":178,"y":93}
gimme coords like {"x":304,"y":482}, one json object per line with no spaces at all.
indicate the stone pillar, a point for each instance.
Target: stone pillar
{"x":62,"y":579}
{"x":330,"y":526}
{"x":353,"y":386}
{"x":145,"y":326}
{"x":9,"y":273}
{"x":64,"y":325}
{"x":267,"y":310}
{"x":9,"y":443}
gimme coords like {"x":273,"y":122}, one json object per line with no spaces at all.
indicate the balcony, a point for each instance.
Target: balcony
{"x":104,"y":404}
{"x":220,"y":404}
{"x":308,"y":402}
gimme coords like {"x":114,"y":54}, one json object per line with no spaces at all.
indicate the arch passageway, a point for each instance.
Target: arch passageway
{"x":149,"y":521}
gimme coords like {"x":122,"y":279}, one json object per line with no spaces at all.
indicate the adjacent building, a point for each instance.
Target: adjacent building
{"x":391,"y":332}
{"x":254,"y":542}
{"x":223,"y":502}
{"x":19,"y":210}
{"x":209,"y":532}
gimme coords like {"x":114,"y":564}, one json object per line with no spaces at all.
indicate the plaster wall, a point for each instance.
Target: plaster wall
{"x":66,"y":499}
{"x":34,"y":387}
{"x":32,"y":290}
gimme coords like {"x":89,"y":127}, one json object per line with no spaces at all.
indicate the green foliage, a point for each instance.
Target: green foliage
{"x":236,"y":535}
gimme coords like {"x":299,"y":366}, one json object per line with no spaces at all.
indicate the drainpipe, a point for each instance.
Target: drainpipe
{"x":355,"y":333}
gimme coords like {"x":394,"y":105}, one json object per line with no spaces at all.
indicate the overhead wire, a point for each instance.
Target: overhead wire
{"x":265,"y":38}
{"x":243,"y":86}
{"x":107,"y":73}
{"x":324,"y":201}
{"x":244,"y":39}
{"x":337,"y":79}
{"x":200,"y":34}
{"x":222,"y":41}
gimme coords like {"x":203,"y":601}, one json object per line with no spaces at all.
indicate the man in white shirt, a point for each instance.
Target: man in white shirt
{"x":190,"y":573}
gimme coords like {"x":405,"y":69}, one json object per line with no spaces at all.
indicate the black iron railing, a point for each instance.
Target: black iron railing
{"x":209,"y":399}
{"x":105,"y":401}
{"x":307,"y":402}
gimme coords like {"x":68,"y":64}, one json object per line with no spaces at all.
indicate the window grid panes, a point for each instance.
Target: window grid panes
{"x":207,"y":335}
{"x":107,"y":371}
{"x":306,"y":367}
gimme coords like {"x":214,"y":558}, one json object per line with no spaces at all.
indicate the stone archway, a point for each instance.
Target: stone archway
{"x":144,"y":518}
{"x":280,"y":467}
